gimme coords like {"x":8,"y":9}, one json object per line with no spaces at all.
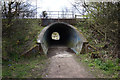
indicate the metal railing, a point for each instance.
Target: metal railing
{"x":60,"y":14}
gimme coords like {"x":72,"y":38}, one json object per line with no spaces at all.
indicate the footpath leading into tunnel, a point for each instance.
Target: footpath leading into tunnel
{"x":61,"y":52}
{"x":63,"y":64}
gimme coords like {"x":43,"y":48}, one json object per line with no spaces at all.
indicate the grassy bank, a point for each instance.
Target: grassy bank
{"x":32,"y":67}
{"x":100,"y":69}
{"x":19,"y":36}
{"x":106,"y":60}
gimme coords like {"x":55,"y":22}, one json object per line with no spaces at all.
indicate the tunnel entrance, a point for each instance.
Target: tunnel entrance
{"x":64,"y":35}
{"x":65,"y":32}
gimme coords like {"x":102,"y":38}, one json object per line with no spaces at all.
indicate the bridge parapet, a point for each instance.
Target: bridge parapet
{"x":60,"y":16}
{"x":46,"y":22}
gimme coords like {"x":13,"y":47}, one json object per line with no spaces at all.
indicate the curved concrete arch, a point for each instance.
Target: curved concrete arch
{"x":69,"y":36}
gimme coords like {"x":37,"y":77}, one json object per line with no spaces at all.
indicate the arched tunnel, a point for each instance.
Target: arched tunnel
{"x":69,"y":37}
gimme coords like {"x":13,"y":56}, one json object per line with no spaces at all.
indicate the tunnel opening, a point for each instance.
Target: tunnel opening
{"x":67,"y":34}
{"x":69,"y":37}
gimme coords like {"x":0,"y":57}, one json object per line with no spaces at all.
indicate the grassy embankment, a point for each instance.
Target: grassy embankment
{"x":18,"y":37}
{"x":106,"y":63}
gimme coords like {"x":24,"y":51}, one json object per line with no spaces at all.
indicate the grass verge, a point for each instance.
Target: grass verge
{"x":32,"y":67}
{"x":100,"y":69}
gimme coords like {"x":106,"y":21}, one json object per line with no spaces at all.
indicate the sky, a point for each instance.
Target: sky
{"x":51,"y":5}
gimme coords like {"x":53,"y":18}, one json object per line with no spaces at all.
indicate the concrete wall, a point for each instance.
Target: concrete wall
{"x":46,"y":22}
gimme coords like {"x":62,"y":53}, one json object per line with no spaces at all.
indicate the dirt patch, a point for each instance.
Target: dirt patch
{"x":63,"y":65}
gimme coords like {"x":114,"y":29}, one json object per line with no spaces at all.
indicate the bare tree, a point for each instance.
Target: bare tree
{"x":13,"y":9}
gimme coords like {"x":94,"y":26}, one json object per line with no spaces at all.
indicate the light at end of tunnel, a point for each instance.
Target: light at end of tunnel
{"x":55,"y":36}
{"x":38,"y":41}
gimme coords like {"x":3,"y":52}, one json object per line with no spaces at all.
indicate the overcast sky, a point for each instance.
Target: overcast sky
{"x":51,"y":5}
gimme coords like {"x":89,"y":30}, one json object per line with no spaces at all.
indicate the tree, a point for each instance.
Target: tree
{"x":13,"y":10}
{"x":104,"y":19}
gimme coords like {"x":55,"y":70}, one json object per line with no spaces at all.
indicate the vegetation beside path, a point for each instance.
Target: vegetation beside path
{"x":100,"y":69}
{"x":104,"y":58}
{"x":101,"y":28}
{"x":19,"y":36}
{"x":26,"y":67}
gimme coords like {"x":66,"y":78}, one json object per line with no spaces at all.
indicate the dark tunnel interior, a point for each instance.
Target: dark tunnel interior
{"x":67,"y":34}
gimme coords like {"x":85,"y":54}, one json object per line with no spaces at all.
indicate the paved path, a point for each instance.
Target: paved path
{"x":63,"y":65}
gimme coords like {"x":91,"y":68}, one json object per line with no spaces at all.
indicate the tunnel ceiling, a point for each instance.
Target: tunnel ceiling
{"x":69,"y":36}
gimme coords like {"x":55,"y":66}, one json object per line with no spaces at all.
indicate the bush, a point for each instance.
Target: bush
{"x":19,"y":36}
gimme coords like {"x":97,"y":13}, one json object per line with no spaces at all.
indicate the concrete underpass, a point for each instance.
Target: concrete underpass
{"x":62,"y":60}
{"x":69,"y":37}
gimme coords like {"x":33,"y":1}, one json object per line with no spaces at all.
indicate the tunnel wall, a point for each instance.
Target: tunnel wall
{"x":69,"y":36}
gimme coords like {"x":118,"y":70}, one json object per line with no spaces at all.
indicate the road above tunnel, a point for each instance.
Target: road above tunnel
{"x":64,"y":65}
